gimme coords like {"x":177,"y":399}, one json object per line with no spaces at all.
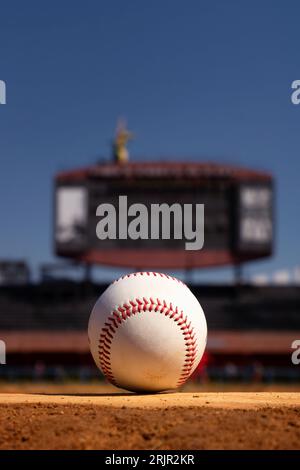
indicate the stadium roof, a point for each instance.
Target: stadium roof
{"x":163,"y":169}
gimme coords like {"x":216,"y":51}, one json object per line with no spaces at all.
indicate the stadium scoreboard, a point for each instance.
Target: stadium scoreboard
{"x":238,"y":213}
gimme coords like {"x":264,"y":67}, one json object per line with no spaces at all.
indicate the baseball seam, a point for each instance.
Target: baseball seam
{"x":138,"y":306}
{"x":149,"y":273}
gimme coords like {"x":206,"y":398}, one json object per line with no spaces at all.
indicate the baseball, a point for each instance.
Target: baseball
{"x":147,"y":332}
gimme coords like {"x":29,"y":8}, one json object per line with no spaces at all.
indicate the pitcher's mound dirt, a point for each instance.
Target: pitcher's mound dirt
{"x":165,"y":421}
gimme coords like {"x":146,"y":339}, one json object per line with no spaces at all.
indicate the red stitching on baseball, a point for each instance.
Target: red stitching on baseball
{"x":132,"y":307}
{"x":148,"y":273}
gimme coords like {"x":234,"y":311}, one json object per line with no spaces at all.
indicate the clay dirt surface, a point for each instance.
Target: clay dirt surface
{"x":116,"y":420}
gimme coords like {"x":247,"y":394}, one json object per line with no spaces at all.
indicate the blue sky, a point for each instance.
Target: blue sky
{"x":202,"y":79}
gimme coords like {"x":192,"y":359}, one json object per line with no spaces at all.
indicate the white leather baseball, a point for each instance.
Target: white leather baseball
{"x":147,"y":332}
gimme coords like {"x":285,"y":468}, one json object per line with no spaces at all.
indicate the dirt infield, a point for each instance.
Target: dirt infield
{"x":196,"y":420}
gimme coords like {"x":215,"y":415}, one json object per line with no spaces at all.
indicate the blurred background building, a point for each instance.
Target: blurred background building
{"x":251,"y":323}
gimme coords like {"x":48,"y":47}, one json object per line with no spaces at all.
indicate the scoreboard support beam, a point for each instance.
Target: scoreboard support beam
{"x":238,"y":274}
{"x":88,"y":273}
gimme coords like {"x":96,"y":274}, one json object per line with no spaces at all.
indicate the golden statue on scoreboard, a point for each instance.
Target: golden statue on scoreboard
{"x":122,"y":136}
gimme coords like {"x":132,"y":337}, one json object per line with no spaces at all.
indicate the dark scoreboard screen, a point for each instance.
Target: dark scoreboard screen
{"x":76,"y":208}
{"x":238,"y":216}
